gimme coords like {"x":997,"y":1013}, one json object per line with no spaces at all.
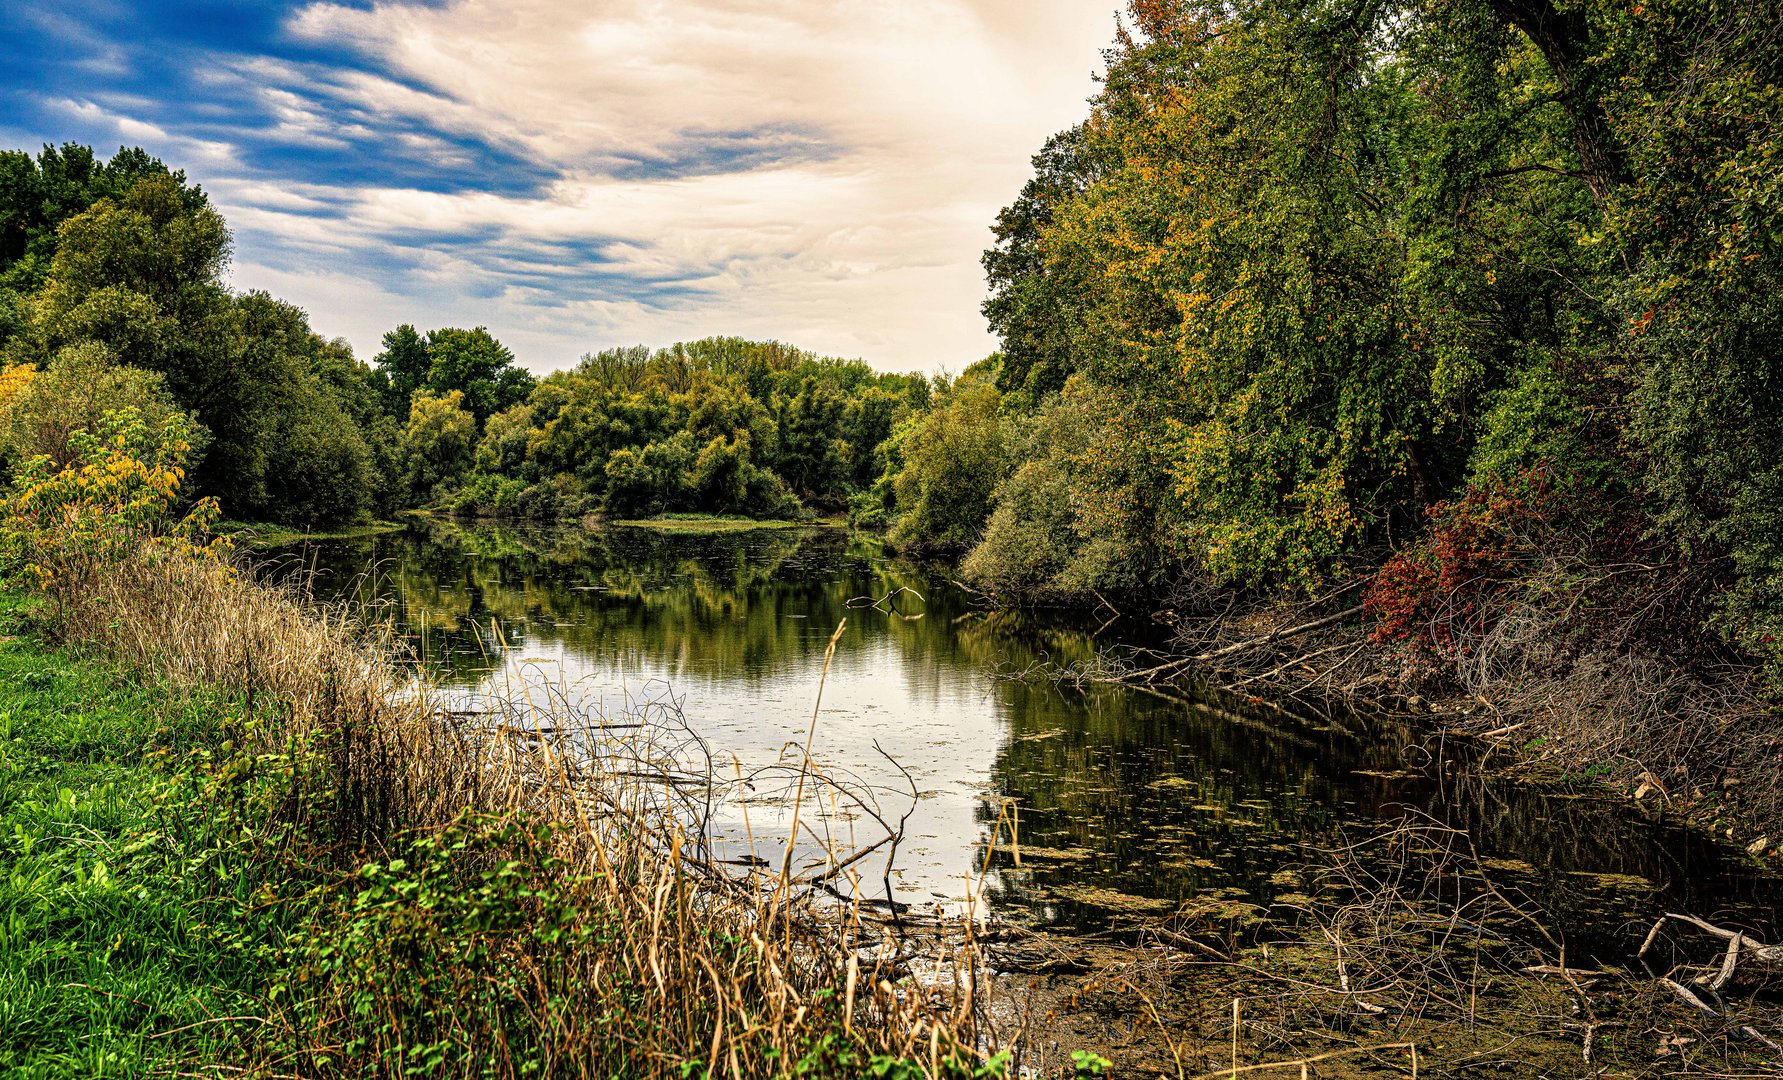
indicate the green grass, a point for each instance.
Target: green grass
{"x":717,"y":523}
{"x":172,"y":904}
{"x":127,"y":921}
{"x":266,"y":534}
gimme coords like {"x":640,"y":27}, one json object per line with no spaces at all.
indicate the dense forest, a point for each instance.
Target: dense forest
{"x":1477,"y":297}
{"x":1445,"y":296}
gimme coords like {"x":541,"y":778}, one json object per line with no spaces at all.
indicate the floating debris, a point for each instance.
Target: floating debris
{"x":1110,"y":899}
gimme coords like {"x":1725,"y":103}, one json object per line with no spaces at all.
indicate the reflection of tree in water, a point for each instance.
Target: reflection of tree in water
{"x":1132,"y":794}
{"x":724,"y":603}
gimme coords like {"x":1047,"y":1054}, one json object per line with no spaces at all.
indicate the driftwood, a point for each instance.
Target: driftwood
{"x":1685,"y":995}
{"x":1746,"y":960}
{"x":1248,"y":643}
{"x":886,"y":603}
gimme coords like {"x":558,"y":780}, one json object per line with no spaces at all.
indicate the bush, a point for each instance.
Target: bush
{"x":75,"y":393}
{"x":1035,"y":544}
{"x":116,"y":495}
{"x":1030,"y":535}
{"x":1440,"y":590}
{"x":650,"y":480}
{"x":953,"y":459}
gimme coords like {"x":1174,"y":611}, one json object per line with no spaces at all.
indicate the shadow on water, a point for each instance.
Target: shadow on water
{"x":1128,"y":804}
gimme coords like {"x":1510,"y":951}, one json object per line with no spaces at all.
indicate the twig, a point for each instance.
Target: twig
{"x":1326,"y":1056}
{"x":212,"y":1020}
{"x":1250,"y":643}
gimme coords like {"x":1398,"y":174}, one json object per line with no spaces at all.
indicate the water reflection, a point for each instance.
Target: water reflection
{"x":1127,"y":803}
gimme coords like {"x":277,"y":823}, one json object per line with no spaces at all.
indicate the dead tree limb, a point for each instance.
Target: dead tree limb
{"x":1249,"y":643}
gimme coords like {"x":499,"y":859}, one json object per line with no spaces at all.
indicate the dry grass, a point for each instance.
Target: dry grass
{"x":539,"y":895}
{"x":1699,"y":737}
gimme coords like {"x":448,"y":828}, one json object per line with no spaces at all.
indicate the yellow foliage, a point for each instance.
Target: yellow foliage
{"x":116,"y":499}
{"x":14,"y":378}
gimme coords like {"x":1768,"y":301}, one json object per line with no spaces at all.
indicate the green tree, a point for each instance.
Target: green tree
{"x":74,"y":394}
{"x":140,"y":275}
{"x":402,"y":369}
{"x":1697,"y":109}
{"x":478,"y":366}
{"x":439,"y":442}
{"x":812,"y":454}
{"x":953,"y":460}
{"x":1035,"y":304}
{"x":38,"y":194}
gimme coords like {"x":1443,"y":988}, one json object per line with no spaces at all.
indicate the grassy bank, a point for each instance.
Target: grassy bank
{"x":130,"y":924}
{"x":247,"y":835}
{"x":238,"y":834}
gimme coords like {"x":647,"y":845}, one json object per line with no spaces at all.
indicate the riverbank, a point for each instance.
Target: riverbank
{"x":1689,"y":733}
{"x":349,"y":805}
{"x":242,"y":837}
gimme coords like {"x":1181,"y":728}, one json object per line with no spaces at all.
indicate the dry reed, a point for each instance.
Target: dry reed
{"x":624,"y":949}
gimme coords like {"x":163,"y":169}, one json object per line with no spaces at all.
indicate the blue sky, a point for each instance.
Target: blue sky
{"x":578,"y":175}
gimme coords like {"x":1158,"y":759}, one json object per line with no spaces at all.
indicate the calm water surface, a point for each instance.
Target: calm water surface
{"x":1128,"y":803}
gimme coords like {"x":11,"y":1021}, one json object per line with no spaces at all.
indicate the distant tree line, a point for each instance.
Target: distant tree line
{"x":721,"y":425}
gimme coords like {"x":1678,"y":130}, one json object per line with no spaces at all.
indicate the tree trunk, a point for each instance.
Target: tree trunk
{"x":1562,"y":38}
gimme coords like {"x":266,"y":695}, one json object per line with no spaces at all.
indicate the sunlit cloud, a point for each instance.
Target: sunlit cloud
{"x":576,"y":175}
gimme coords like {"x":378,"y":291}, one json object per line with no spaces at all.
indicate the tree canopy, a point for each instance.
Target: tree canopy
{"x":1307,"y":270}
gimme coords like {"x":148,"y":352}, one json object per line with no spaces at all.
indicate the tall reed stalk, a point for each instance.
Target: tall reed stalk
{"x":520,"y":893}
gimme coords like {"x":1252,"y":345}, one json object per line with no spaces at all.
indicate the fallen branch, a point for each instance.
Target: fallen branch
{"x":1744,"y":953}
{"x":1683,"y":993}
{"x":1250,"y":643}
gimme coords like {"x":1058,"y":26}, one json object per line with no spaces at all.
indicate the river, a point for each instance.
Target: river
{"x":1128,"y":804}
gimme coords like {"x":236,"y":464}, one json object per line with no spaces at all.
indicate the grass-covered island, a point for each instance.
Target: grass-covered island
{"x":260,"y":534}
{"x":722,"y":523}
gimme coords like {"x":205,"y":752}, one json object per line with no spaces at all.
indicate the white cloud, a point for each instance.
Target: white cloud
{"x":902,"y":126}
{"x":207,"y":153}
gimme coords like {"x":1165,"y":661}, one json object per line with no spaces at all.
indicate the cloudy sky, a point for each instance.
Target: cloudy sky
{"x":582,"y":174}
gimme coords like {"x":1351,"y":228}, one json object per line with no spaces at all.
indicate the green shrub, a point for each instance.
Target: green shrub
{"x":953,"y":459}
{"x":75,"y":393}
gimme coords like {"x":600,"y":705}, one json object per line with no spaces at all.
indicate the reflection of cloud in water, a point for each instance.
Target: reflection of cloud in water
{"x":1129,"y":802}
{"x":878,"y":703}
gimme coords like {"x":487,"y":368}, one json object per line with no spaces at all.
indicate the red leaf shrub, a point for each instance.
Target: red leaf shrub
{"x":1441,"y":587}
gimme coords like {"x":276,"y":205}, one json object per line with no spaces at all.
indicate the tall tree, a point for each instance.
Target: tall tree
{"x":478,"y":366}
{"x":1035,"y":304}
{"x":402,"y":368}
{"x":38,"y":195}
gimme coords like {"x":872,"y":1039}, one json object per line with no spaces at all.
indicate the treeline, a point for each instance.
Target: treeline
{"x":1441,"y":295}
{"x":721,"y":425}
{"x":112,"y":300}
